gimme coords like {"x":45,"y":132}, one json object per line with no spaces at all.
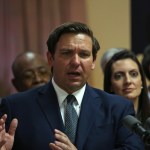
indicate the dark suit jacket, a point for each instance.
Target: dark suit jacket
{"x":99,"y":127}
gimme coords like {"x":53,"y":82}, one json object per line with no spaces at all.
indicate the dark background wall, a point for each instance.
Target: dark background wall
{"x":140,"y":22}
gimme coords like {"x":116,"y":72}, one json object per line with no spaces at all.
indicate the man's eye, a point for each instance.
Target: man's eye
{"x":28,"y":76}
{"x":66,"y":53}
{"x":84,"y":54}
{"x":43,"y":71}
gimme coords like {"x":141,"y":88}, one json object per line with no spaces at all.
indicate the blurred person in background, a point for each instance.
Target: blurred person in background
{"x":30,"y":70}
{"x":124,"y":76}
{"x":107,"y":56}
{"x":146,"y":66}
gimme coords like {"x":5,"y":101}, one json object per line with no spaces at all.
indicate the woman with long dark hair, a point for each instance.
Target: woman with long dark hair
{"x":124,"y":76}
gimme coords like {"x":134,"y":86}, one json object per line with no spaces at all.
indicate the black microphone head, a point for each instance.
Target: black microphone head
{"x":130,"y":122}
{"x":135,"y":126}
{"x":148,"y":123}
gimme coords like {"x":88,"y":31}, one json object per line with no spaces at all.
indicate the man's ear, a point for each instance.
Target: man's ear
{"x":15,"y":84}
{"x":49,"y":58}
{"x":93,"y":64}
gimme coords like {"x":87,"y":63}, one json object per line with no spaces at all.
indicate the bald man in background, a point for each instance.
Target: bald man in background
{"x":30,"y":70}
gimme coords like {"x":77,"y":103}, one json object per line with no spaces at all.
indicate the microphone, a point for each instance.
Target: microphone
{"x":148,"y":123}
{"x":135,"y":126}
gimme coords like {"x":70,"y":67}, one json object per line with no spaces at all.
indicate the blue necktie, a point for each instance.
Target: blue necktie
{"x":71,"y":118}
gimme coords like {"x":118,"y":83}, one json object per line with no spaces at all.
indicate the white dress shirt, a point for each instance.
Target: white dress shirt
{"x":61,"y":96}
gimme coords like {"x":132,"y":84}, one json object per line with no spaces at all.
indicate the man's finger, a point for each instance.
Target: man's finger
{"x":3,"y":119}
{"x":13,"y":126}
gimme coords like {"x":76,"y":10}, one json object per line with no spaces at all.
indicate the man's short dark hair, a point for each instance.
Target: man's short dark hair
{"x":71,"y":27}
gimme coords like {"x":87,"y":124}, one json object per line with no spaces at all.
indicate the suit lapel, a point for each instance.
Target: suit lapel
{"x":89,"y":107}
{"x":49,"y":105}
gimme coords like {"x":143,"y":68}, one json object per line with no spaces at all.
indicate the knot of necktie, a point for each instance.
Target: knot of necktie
{"x":70,"y":99}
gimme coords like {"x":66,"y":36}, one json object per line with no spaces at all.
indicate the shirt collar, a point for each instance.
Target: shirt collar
{"x":61,"y":94}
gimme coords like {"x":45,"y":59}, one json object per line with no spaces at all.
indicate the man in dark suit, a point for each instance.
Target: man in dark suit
{"x":40,"y":113}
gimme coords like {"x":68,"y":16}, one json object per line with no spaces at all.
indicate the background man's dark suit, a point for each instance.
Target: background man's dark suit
{"x":99,"y":123}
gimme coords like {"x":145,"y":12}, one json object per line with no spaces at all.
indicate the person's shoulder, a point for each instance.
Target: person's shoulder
{"x":115,"y":103}
{"x":110,"y":98}
{"x":26,"y":95}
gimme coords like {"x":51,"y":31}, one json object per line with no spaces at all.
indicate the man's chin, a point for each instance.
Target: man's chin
{"x":75,"y":86}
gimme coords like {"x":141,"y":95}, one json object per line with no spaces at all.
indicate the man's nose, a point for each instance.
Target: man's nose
{"x":75,"y":59}
{"x":37,"y":78}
